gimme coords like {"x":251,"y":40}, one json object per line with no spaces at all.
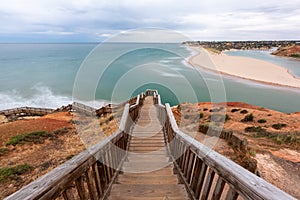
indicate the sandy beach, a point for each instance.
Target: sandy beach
{"x":242,"y":67}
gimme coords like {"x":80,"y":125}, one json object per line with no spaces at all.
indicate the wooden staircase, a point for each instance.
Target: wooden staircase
{"x":146,"y":160}
{"x":148,"y":172}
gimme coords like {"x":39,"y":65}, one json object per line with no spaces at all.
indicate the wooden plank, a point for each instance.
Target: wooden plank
{"x":159,"y":143}
{"x":162,"y":171}
{"x":147,"y":165}
{"x":186,"y":162}
{"x":196,"y":174}
{"x":149,"y":159}
{"x":218,"y":189}
{"x":232,"y":194}
{"x":201,"y":180}
{"x":141,"y":191}
{"x":147,"y":179}
{"x":146,"y":148}
{"x":190,"y":167}
{"x":81,"y":189}
{"x":207,"y":185}
{"x":97,"y":180}
{"x":91,"y":185}
{"x":68,"y":194}
{"x":146,"y":198}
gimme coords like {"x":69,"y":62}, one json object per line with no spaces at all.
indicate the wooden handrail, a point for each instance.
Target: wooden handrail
{"x":89,"y":174}
{"x":27,"y":110}
{"x":199,"y":164}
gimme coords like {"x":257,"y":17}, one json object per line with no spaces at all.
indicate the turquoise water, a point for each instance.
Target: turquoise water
{"x":43,"y":75}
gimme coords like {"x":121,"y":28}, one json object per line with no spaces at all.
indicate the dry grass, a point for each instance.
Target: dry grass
{"x":69,"y":140}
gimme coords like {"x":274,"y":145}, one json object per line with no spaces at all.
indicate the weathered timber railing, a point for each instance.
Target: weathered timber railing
{"x":205,"y":173}
{"x":82,"y":108}
{"x":90,"y":174}
{"x":22,"y":111}
{"x":110,"y":107}
{"x":201,"y":168}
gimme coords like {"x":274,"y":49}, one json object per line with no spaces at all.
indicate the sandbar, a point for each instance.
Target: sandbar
{"x":244,"y":67}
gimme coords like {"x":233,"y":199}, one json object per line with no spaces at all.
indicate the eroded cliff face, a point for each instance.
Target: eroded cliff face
{"x":290,"y":51}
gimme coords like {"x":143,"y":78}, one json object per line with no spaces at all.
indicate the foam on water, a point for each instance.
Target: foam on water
{"x":42,"y":96}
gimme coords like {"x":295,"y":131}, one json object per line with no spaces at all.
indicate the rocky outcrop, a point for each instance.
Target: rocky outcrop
{"x":290,"y":51}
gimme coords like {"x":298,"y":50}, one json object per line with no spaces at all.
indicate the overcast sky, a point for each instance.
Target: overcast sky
{"x":97,"y":20}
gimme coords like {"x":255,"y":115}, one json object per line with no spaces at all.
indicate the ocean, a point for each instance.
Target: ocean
{"x":52,"y":75}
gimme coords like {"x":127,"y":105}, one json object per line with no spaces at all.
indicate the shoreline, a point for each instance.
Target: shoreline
{"x":254,"y":69}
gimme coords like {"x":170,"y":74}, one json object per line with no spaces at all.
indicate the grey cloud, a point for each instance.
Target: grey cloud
{"x":215,"y":19}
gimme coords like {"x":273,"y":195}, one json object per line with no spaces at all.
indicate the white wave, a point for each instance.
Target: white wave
{"x":42,"y":96}
{"x":165,"y":61}
{"x":174,"y":58}
{"x":171,"y":75}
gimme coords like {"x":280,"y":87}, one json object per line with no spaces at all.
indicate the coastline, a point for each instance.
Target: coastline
{"x":253,"y":69}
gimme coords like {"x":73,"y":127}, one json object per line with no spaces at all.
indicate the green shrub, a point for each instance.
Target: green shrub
{"x":278,"y":126}
{"x":111,"y":118}
{"x":244,"y":112}
{"x":294,"y":55}
{"x":3,"y":151}
{"x":248,"y":118}
{"x":37,"y":137}
{"x":227,"y":117}
{"x":293,"y":138}
{"x":261,"y":121}
{"x":186,"y":116}
{"x":254,"y":129}
{"x":286,"y":139}
{"x":201,"y":115}
{"x":252,"y":153}
{"x":235,"y":110}
{"x":12,"y":172}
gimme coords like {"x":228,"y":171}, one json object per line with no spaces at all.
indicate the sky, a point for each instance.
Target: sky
{"x":98,"y":20}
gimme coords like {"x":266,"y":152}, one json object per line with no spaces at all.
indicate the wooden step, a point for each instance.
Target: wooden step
{"x":139,"y":167}
{"x":163,"y":191}
{"x":143,"y":151}
{"x":143,"y":164}
{"x":162,"y":172}
{"x":159,"y":145}
{"x":147,"y":132}
{"x":158,"y":152}
{"x":146,"y":137}
{"x":147,"y":143}
{"x":146,"y":148}
{"x":149,"y":159}
{"x":154,"y":179}
{"x":147,"y":140}
{"x":145,"y":198}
